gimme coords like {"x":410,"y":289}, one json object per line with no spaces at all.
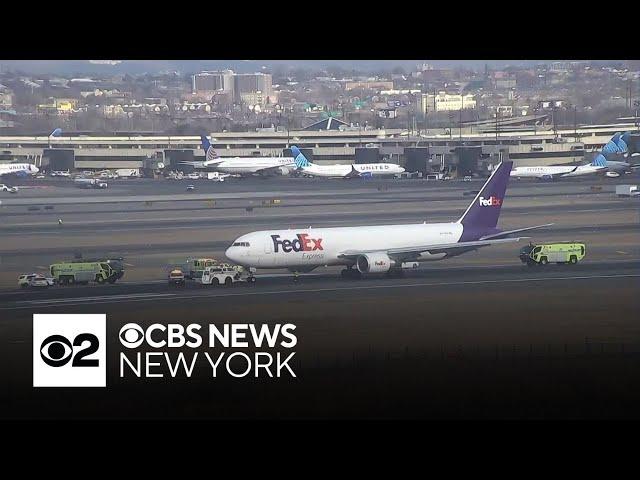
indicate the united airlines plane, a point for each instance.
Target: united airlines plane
{"x":20,"y":169}
{"x":243,"y":165}
{"x":343,"y":171}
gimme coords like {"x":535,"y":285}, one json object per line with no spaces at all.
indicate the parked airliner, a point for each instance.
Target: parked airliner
{"x":601,"y":164}
{"x":243,"y":165}
{"x":616,"y":148}
{"x":384,"y":248}
{"x":19,"y":169}
{"x":553,"y":172}
{"x":343,"y":171}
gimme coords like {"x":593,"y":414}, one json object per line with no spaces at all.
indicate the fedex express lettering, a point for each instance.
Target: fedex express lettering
{"x":303,"y":243}
{"x":490,"y":202}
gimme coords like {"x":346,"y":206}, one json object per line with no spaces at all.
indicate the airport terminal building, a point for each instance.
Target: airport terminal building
{"x":327,"y":142}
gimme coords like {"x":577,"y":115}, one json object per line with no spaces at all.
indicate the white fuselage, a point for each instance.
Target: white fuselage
{"x":305,"y":249}
{"x":7,"y":168}
{"x":555,"y":171}
{"x":345,"y":170}
{"x":247,"y":165}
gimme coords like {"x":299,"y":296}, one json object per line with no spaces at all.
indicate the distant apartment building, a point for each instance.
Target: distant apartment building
{"x":213,"y":82}
{"x":6,"y":99}
{"x":249,"y":88}
{"x":504,"y":80}
{"x":443,"y":102}
{"x":253,"y":88}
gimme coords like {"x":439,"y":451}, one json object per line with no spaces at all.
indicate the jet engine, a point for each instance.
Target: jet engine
{"x":284,"y":170}
{"x":374,"y":263}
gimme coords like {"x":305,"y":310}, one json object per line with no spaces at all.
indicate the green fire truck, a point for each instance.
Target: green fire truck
{"x":567,"y":252}
{"x":85,"y":271}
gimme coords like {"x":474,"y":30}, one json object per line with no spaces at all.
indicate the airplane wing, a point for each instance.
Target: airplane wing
{"x":353,"y":173}
{"x":275,"y":169}
{"x":558,"y":175}
{"x":509,"y":232}
{"x":414,"y":251}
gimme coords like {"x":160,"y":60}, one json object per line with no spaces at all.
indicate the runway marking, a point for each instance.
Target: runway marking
{"x":102,"y":297}
{"x":175,"y":296}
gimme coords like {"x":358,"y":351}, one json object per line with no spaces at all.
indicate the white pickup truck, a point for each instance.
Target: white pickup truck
{"x":35,"y":280}
{"x":7,"y":188}
{"x":225,"y":274}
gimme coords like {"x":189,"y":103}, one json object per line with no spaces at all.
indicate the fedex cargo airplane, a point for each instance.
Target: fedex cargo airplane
{"x":243,"y":165}
{"x":343,"y":171}
{"x":384,"y":248}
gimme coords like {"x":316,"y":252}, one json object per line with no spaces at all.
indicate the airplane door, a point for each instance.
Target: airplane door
{"x":268,"y":245}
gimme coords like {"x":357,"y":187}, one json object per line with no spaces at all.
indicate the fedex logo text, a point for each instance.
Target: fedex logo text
{"x":490,"y":202}
{"x":302,"y":243}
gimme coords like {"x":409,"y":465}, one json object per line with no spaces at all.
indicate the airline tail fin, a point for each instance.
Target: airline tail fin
{"x":484,"y":211}
{"x":599,"y":161}
{"x":612,"y":145}
{"x":56,"y":133}
{"x":300,"y":159}
{"x":210,"y":153}
{"x":623,"y":142}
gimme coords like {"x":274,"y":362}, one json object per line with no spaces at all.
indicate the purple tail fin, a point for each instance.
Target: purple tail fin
{"x":484,"y":211}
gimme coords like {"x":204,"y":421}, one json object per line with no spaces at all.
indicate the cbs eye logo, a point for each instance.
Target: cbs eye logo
{"x":131,"y":335}
{"x":69,"y":350}
{"x":56,"y":351}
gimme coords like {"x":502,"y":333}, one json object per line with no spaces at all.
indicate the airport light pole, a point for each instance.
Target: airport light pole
{"x":288,"y":126}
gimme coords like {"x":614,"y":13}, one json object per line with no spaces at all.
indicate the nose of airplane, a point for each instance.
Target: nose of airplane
{"x":230,"y":254}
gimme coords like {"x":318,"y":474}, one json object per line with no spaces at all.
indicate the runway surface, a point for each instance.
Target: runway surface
{"x":476,"y":336}
{"x":460,"y":343}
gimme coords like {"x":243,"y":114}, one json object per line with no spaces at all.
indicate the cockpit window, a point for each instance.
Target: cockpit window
{"x":240,"y":244}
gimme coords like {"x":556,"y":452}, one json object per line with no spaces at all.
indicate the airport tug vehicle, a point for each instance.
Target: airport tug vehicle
{"x":176,"y":277}
{"x":542,"y":254}
{"x":225,"y":274}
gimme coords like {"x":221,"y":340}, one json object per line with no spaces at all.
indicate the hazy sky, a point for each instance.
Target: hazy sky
{"x":186,"y":66}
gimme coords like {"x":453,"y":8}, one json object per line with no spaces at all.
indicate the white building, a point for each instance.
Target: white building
{"x":443,"y":102}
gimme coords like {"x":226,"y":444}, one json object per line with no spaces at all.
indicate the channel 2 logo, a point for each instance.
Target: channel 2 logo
{"x":69,"y":350}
